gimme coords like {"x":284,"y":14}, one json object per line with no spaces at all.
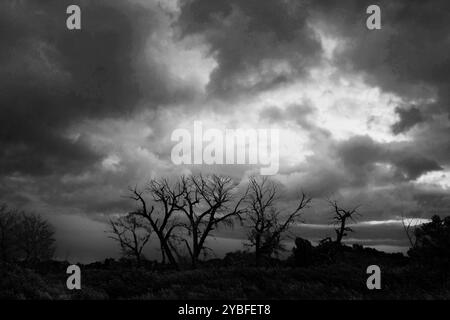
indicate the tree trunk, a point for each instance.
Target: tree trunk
{"x":257,"y":249}
{"x":170,"y":256}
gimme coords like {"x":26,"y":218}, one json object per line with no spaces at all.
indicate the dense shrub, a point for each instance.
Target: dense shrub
{"x":432,"y":245}
{"x":18,"y":283}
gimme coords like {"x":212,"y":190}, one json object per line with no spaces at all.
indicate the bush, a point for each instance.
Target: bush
{"x":432,"y":246}
{"x":18,"y":283}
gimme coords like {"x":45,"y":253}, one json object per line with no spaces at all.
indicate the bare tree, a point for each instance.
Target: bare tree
{"x":208,"y":202}
{"x":132,"y":234}
{"x":409,"y":223}
{"x":161,"y":219}
{"x":340,"y":220}
{"x":265,"y":221}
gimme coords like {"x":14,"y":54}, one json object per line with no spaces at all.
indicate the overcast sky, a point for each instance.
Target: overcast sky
{"x":363,"y":114}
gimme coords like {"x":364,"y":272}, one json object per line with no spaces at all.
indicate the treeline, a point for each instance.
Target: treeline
{"x":183,"y":213}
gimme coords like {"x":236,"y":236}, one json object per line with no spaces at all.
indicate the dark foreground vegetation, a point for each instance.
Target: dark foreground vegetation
{"x":234,"y":277}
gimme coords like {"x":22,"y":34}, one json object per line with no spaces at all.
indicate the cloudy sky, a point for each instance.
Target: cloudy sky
{"x":363,"y":114}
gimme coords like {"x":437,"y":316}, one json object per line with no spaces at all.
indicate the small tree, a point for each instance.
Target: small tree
{"x":25,"y":236}
{"x":132,"y":234}
{"x":340,"y":220}
{"x":35,"y":238}
{"x":265,"y":223}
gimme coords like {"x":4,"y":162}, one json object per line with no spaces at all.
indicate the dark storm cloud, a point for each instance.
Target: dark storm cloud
{"x":257,"y":44}
{"x":361,"y":170}
{"x":408,"y":119}
{"x":361,"y":153}
{"x":437,"y":201}
{"x":411,"y":47}
{"x":52,"y":78}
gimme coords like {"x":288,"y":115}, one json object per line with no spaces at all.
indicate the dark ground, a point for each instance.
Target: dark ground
{"x":234,"y":277}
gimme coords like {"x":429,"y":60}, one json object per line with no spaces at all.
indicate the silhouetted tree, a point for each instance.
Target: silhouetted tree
{"x":265,"y":222}
{"x":35,"y":237}
{"x":161,"y":219}
{"x":340,"y":220}
{"x":8,"y":233}
{"x":208,"y":202}
{"x":132,"y":234}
